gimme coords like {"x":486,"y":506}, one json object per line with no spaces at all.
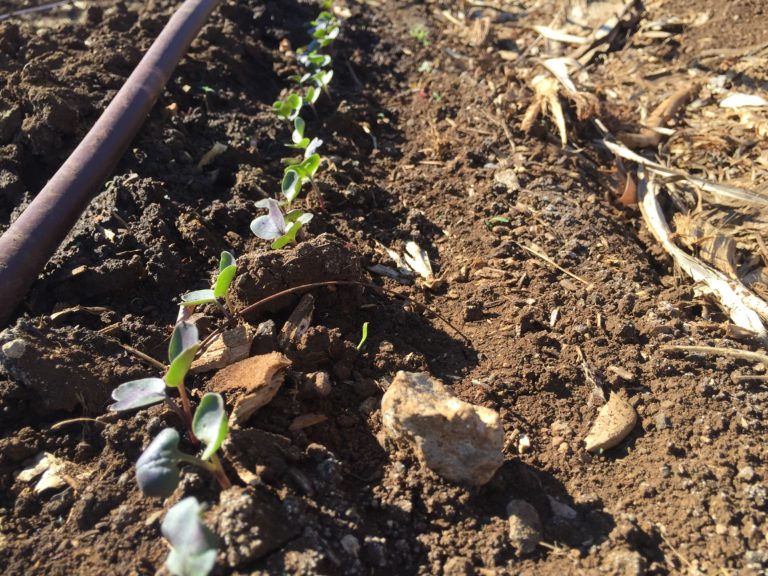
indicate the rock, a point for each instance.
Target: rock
{"x":264,"y":340}
{"x":50,"y":471}
{"x":662,"y":421}
{"x":614,"y":422}
{"x":457,"y":440}
{"x":14,"y":349}
{"x":623,"y":562}
{"x":351,"y":545}
{"x":315,"y":385}
{"x":561,"y":510}
{"x":747,"y":473}
{"x":524,"y":526}
{"x":458,"y":566}
{"x":251,"y":524}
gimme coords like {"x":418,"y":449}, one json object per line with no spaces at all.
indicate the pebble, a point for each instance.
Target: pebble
{"x":351,"y":545}
{"x":524,"y":526}
{"x":458,"y":566}
{"x":614,"y":422}
{"x":622,"y":562}
{"x":747,"y":473}
{"x":662,"y":421}
{"x":457,"y":440}
{"x":14,"y":349}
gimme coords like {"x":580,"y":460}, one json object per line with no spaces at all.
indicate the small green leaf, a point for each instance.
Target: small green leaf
{"x":302,"y":144}
{"x":298,"y":130}
{"x":184,"y":335}
{"x":226,"y":260}
{"x":281,"y":242}
{"x":210,"y":423}
{"x":180,"y":366}
{"x":193,"y":544}
{"x":223,"y":281}
{"x":291,"y":185}
{"x":157,"y":469}
{"x":310,"y":166}
{"x":365,"y":335}
{"x":198,"y":297}
{"x":137,"y":394}
{"x":313,"y":93}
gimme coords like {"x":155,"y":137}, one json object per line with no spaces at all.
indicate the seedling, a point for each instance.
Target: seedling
{"x":289,"y":108}
{"x":365,"y":335}
{"x":494,"y":220}
{"x":322,"y":79}
{"x":302,"y":142}
{"x":157,"y":469}
{"x":313,"y":59}
{"x":193,"y":545}
{"x":220,"y":288}
{"x":135,"y":394}
{"x":276,"y":226}
{"x":420,"y":34}
{"x":297,"y":174}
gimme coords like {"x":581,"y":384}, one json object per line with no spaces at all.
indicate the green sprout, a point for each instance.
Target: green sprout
{"x":365,"y":335}
{"x":289,"y":108}
{"x":419,"y":33}
{"x":276,"y":226}
{"x":493,"y":220}
{"x":184,"y":344}
{"x":299,"y":173}
{"x":193,"y":544}
{"x":298,"y":140}
{"x":220,"y":288}
{"x":157,"y":469}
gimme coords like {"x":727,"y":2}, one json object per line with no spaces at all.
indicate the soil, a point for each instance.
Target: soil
{"x":423,"y":142}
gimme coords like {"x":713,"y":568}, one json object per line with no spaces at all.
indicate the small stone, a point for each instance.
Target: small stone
{"x":458,"y":566}
{"x":721,"y":529}
{"x":351,"y":545}
{"x":747,"y":473}
{"x":316,"y":385}
{"x":457,"y":440}
{"x":14,"y":349}
{"x":662,"y":421}
{"x":623,"y":562}
{"x":614,"y":422}
{"x":524,"y":526}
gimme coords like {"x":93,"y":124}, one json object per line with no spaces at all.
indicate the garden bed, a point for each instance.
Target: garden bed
{"x":558,"y":290}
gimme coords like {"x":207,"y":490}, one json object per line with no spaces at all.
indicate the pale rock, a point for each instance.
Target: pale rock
{"x":351,"y":545}
{"x":524,"y":526}
{"x":614,"y":422}
{"x":455,"y":439}
{"x":14,"y":349}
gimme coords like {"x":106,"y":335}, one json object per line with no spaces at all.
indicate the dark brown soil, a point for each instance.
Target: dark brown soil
{"x":420,"y":141}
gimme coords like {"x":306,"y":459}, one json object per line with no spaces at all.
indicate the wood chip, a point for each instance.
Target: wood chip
{"x":252,"y":382}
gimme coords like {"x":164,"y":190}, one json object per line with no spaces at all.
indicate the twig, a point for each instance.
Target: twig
{"x":551,"y":262}
{"x":718,"y":351}
{"x":374,"y":287}
{"x":75,"y":421}
{"x":750,"y":377}
{"x":33,"y":9}
{"x":146,"y":358}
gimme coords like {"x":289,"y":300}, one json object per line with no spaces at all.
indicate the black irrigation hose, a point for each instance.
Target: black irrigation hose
{"x":34,"y":237}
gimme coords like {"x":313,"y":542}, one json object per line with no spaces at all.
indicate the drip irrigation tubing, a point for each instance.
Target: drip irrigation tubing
{"x":33,"y":238}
